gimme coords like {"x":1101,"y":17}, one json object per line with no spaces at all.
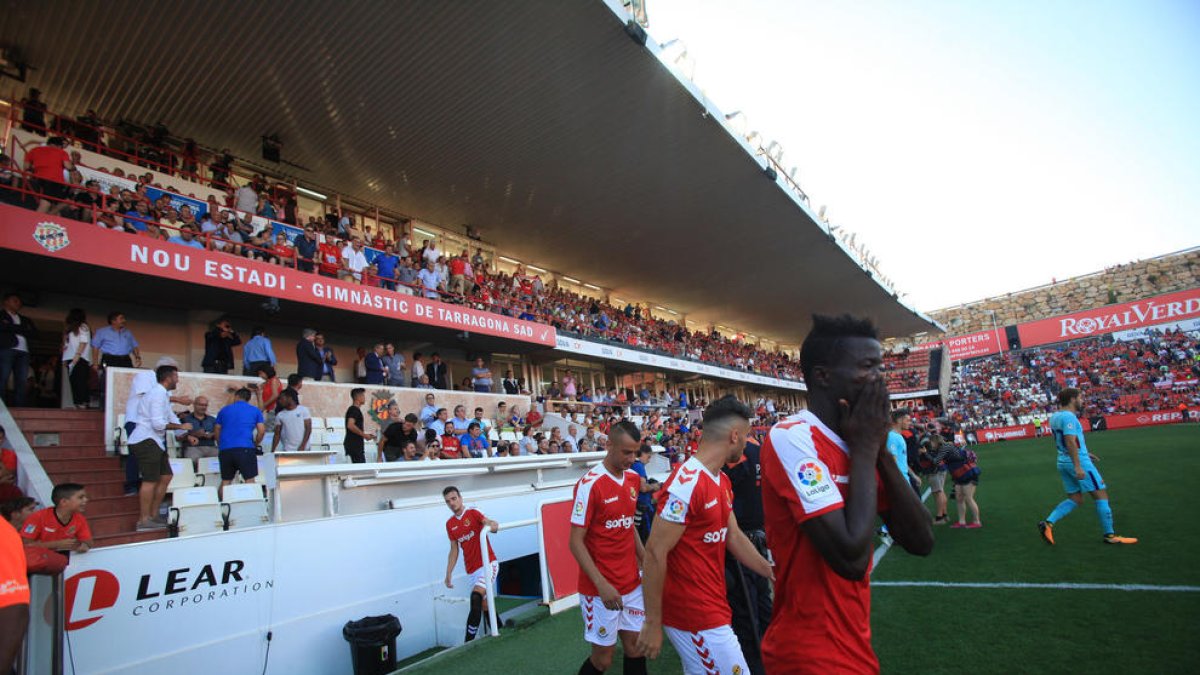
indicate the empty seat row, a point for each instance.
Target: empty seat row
{"x":196,"y":510}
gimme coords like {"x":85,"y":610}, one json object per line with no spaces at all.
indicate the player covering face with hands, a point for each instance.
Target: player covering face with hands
{"x":695,"y":525}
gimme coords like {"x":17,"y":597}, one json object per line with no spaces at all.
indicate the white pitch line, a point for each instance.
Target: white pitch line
{"x":1066,"y":586}
{"x":887,"y":544}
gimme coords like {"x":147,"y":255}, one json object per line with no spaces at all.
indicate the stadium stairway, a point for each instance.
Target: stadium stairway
{"x":70,"y":446}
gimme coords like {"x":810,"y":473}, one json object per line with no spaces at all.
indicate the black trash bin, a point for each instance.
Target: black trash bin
{"x":372,"y":644}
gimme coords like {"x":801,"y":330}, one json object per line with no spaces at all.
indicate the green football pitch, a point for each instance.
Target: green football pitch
{"x":998,"y":599}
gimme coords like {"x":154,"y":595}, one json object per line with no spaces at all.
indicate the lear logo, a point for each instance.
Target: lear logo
{"x":813,"y":482}
{"x":88,"y":595}
{"x":52,"y":236}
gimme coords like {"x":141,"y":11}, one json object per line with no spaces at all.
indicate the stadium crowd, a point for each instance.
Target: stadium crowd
{"x":1157,"y":372}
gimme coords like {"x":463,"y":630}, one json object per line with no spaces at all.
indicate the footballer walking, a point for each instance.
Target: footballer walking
{"x":609,"y":552}
{"x":463,"y":529}
{"x":695,"y":524}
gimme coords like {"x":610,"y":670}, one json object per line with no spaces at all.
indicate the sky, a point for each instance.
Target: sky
{"x":1010,"y":143}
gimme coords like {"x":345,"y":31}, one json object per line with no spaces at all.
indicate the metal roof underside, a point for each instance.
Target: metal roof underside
{"x":541,"y":123}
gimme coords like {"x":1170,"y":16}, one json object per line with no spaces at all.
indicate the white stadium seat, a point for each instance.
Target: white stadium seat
{"x":184,"y":475}
{"x":209,"y":471}
{"x":244,"y":506}
{"x":195,"y":511}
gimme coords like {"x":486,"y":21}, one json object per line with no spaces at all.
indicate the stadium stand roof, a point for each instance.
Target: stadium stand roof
{"x":544,"y":125}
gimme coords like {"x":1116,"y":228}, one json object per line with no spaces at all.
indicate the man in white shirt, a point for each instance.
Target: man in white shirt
{"x":431,"y":253}
{"x":147,"y":444}
{"x":293,"y":425}
{"x":354,"y":261}
{"x":571,"y":442}
{"x":430,"y":280}
{"x":418,"y":368}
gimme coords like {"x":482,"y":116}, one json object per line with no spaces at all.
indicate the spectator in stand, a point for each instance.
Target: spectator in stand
{"x":16,"y":330}
{"x":48,"y":164}
{"x":113,"y":345}
{"x":474,"y":443}
{"x":436,"y":372}
{"x":33,"y":116}
{"x":376,"y":370}
{"x":386,"y":264}
{"x":512,"y":386}
{"x":268,"y":393}
{"x":61,"y":527}
{"x":309,"y":361}
{"x":418,"y":368}
{"x":239,"y":432}
{"x":430,"y":411}
{"x":139,"y":217}
{"x":423,"y":383}
{"x":528,"y":444}
{"x":429,"y":252}
{"x":393,"y":361}
{"x":481,"y":377}
{"x":201,"y":439}
{"x":330,"y":257}
{"x":408,"y":276}
{"x":398,"y":437}
{"x":76,"y":339}
{"x":293,"y":425}
{"x":429,"y":280}
{"x":327,"y":357}
{"x":306,"y":249}
{"x":186,"y":237}
{"x":354,"y":261}
{"x":569,"y":387}
{"x":356,"y":436}
{"x":360,"y":365}
{"x":484,"y":423}
{"x":147,"y":444}
{"x":257,"y":352}
{"x":458,"y":270}
{"x":294,"y":384}
{"x":440,"y":423}
{"x":246,"y":200}
{"x":460,"y":421}
{"x":218,"y":348}
{"x":534,"y":418}
{"x":282,"y":252}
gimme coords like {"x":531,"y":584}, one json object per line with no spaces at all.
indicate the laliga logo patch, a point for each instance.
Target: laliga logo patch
{"x":673,"y":511}
{"x":52,"y":236}
{"x":813,"y":482}
{"x":579,"y":508}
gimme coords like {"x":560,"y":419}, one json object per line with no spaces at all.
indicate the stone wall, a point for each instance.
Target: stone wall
{"x":1123,"y":283}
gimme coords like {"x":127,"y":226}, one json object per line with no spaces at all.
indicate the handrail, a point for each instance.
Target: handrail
{"x":31,"y":477}
{"x":490,"y":594}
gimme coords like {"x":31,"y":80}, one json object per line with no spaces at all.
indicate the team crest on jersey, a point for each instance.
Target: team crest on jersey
{"x":814,"y":481}
{"x":632,"y":493}
{"x":602,"y":631}
{"x":52,"y":236}
{"x":466,"y":522}
{"x":737,"y":670}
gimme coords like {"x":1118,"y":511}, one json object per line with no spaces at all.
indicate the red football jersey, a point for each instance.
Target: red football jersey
{"x":694,"y":590}
{"x":465,"y":530}
{"x":14,"y":582}
{"x":605,"y":504}
{"x":821,"y":622}
{"x":44,"y":526}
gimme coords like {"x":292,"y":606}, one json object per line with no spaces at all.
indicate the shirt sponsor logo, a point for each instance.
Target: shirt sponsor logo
{"x":813,"y":481}
{"x":716,"y":536}
{"x":623,"y":523}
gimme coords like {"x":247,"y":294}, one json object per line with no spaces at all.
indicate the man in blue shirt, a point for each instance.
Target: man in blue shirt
{"x":394,"y":362}
{"x":186,"y":237}
{"x":896,"y":445}
{"x":306,"y":249}
{"x":474,"y":443}
{"x":430,"y":411}
{"x":645,"y":505}
{"x":239,"y":430}
{"x":385,"y":267}
{"x":257,"y":352}
{"x":1077,"y":470}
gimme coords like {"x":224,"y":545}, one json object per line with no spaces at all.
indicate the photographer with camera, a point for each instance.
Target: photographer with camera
{"x":218,"y":348}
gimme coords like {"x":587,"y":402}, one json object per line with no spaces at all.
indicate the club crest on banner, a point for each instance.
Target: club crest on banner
{"x":51,"y":236}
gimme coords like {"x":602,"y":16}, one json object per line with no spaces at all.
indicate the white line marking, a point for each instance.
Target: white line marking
{"x":887,"y":543}
{"x":1066,"y":586}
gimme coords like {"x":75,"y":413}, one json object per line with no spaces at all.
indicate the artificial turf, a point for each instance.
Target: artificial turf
{"x":1001,"y":630}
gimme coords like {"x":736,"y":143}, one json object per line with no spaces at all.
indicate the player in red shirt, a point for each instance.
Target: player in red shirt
{"x":823,"y":469}
{"x":695,"y":524}
{"x":61,"y":527}
{"x":609,"y":552}
{"x":47,"y":163}
{"x":463,"y":528}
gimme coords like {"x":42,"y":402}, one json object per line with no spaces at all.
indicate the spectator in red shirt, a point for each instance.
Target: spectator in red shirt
{"x":330,"y":256}
{"x":61,"y":527}
{"x":48,"y":163}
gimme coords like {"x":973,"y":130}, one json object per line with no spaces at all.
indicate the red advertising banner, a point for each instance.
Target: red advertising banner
{"x":1111,"y":318}
{"x":1147,"y":419}
{"x":1004,"y":433}
{"x":555,"y":531}
{"x":37,"y":233}
{"x":968,"y":346}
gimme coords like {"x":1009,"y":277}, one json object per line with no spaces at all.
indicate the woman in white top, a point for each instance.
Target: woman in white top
{"x":76,"y":340}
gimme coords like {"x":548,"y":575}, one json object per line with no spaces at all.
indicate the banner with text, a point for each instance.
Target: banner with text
{"x":969,"y":346}
{"x":85,"y":243}
{"x":1160,"y":309}
{"x":1147,"y":419}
